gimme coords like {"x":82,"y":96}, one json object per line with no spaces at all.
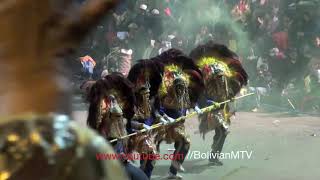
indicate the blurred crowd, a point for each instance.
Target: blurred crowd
{"x":278,"y":41}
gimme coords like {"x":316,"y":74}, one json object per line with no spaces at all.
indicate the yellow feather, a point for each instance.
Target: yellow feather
{"x":166,"y":83}
{"x":207,"y":61}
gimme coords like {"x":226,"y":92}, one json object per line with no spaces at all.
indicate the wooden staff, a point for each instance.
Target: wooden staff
{"x":204,"y":110}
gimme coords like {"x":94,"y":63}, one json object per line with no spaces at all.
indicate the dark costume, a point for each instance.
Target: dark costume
{"x":178,"y":92}
{"x":223,"y":78}
{"x":146,"y":77}
{"x":111,"y":109}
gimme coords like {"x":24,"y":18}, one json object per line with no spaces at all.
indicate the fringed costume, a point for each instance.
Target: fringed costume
{"x":146,"y":77}
{"x":178,"y":92}
{"x":112,"y":103}
{"x":224,"y":77}
{"x":111,"y":106}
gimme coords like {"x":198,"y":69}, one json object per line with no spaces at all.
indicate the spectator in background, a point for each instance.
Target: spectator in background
{"x":121,"y":18}
{"x":177,"y":43}
{"x":104,"y":73}
{"x":142,"y":15}
{"x":88,"y":65}
{"x":276,"y":31}
{"x":155,"y":23}
{"x":317,"y":41}
{"x":137,"y":39}
{"x":165,"y":45}
{"x":262,"y":85}
{"x":317,"y":72}
{"x":125,"y":61}
{"x":241,"y":9}
{"x":203,"y":36}
{"x":152,"y":50}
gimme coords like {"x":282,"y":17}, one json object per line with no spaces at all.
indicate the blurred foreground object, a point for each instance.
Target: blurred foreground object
{"x":35,"y":37}
{"x":53,"y":148}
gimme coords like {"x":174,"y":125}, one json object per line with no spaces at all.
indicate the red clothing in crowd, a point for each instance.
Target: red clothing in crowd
{"x":126,"y":61}
{"x":243,"y":6}
{"x":86,"y":59}
{"x":281,"y":40}
{"x":280,"y":55}
{"x":167,"y":11}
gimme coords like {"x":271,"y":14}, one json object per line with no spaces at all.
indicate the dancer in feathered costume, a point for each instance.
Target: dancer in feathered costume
{"x":178,"y":92}
{"x":111,"y":109}
{"x":146,"y":77}
{"x":224,"y":76}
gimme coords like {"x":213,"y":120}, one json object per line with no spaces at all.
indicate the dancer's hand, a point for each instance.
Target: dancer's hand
{"x":198,"y":110}
{"x":163,"y":121}
{"x":147,"y":127}
{"x":213,"y":103}
{"x":171,"y":120}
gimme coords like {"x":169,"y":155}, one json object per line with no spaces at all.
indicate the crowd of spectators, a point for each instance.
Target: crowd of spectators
{"x":277,"y":40}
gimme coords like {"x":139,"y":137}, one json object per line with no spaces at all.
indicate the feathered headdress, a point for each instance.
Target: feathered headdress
{"x":178,"y":65}
{"x":146,"y":73}
{"x":172,"y":72}
{"x":219,"y":59}
{"x":114,"y":84}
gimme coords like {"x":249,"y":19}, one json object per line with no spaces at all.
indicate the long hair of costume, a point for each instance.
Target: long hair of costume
{"x":147,"y":70}
{"x":196,"y":86}
{"x":168,"y":55}
{"x":226,"y":56}
{"x":177,"y":57}
{"x":113,"y":82}
{"x":187,"y":65}
{"x":85,"y":88}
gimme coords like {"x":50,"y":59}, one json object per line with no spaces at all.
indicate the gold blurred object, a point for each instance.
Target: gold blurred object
{"x":35,"y":138}
{"x":13,"y":137}
{"x":48,"y":147}
{"x":4,"y":175}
